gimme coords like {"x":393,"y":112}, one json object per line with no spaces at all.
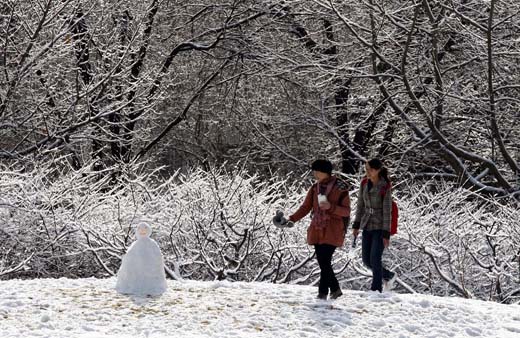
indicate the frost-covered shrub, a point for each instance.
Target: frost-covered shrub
{"x":454,"y":241}
{"x":210,"y":224}
{"x":216,"y":224}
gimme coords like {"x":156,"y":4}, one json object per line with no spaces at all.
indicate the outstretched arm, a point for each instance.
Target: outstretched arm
{"x":304,"y":209}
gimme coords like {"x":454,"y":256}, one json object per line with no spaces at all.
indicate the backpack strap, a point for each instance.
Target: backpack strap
{"x":343,"y":186}
{"x":385,"y":189}
{"x":330,"y":185}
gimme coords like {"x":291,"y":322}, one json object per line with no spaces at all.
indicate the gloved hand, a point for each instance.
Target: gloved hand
{"x":355,"y":232}
{"x":280,"y":221}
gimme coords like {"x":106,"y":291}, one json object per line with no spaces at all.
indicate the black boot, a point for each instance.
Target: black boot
{"x":336,"y":294}
{"x":322,"y":296}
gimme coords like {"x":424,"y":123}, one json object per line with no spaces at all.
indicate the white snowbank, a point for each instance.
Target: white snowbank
{"x":90,"y":308}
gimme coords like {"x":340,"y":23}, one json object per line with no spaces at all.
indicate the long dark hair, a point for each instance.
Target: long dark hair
{"x":376,"y":163}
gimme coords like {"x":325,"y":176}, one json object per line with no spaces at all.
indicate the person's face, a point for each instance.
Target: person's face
{"x":319,"y":176}
{"x":372,"y":173}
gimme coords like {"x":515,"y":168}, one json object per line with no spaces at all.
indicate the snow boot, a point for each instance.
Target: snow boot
{"x":388,"y":285}
{"x":336,"y":294}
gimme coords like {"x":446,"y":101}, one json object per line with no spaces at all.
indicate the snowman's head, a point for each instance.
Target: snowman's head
{"x":143,"y":230}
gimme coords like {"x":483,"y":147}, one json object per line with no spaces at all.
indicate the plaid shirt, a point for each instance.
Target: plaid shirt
{"x":374,"y":211}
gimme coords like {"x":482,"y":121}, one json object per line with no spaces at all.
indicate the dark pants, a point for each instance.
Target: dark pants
{"x":328,"y":280}
{"x":372,"y":252}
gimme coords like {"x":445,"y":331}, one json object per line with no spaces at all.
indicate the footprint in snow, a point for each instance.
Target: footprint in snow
{"x":512,"y":329}
{"x":379,"y":323}
{"x":411,"y":328}
{"x":473,"y":331}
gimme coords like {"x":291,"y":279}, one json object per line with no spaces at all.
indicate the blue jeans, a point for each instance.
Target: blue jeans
{"x":372,"y":252}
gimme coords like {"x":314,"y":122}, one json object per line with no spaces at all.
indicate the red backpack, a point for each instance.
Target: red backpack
{"x":395,"y":210}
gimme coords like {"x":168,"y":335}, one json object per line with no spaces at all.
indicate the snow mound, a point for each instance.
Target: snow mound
{"x":91,"y":308}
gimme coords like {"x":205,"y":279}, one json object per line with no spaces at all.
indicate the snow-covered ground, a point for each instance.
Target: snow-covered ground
{"x":91,"y":308}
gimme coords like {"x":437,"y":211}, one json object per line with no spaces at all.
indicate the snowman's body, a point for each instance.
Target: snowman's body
{"x":142,"y":267}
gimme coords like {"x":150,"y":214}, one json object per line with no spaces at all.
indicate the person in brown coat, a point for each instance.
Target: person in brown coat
{"x":329,"y":201}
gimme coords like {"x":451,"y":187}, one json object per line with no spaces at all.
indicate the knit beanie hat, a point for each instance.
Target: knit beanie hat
{"x":322,"y":165}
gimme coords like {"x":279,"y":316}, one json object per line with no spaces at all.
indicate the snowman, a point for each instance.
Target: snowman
{"x":142,"y":268}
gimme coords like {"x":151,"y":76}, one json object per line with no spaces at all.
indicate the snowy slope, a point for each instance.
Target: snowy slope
{"x":91,"y":308}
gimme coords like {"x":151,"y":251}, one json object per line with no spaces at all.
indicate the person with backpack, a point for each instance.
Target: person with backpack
{"x":329,"y":201}
{"x":374,"y":217}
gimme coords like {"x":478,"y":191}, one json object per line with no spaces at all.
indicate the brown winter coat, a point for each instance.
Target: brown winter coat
{"x":334,"y":232}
